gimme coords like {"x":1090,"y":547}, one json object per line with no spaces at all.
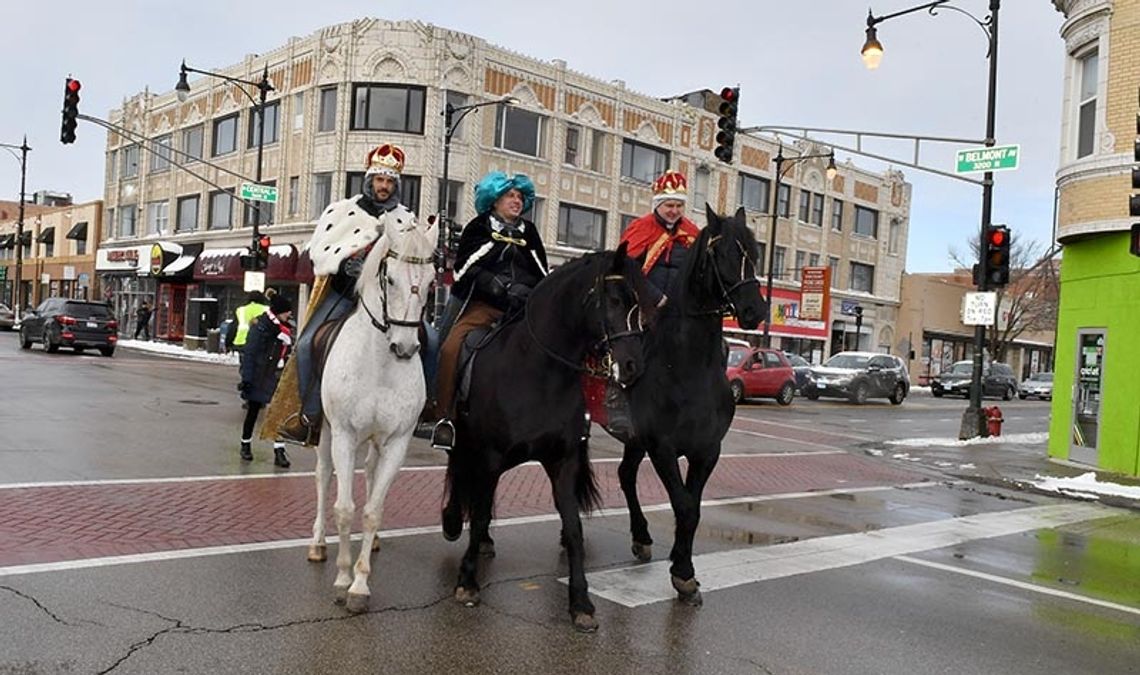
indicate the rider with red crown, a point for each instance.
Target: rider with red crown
{"x":660,"y":240}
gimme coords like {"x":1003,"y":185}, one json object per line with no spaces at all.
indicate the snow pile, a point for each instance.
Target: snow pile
{"x":178,"y":351}
{"x":1033,"y":438}
{"x":1085,"y":485}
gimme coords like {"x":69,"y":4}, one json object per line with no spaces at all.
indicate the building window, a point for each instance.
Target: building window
{"x":763,"y":250}
{"x":81,"y":246}
{"x":813,"y":260}
{"x":837,"y":215}
{"x":454,"y":195}
{"x":805,"y":206}
{"x":160,"y":158}
{"x":580,"y":227}
{"x":130,"y":162}
{"x":456,"y":99}
{"x":755,"y":193}
{"x":187,"y":213}
{"x":597,"y":150}
{"x":833,"y":263}
{"x":225,"y":136}
{"x":784,"y":201}
{"x":192,"y":143}
{"x":157,"y":217}
{"x":262,"y":212}
{"x":409,"y":189}
{"x":537,"y":213}
{"x":322,"y":194}
{"x":778,"y":261}
{"x":385,"y":107}
{"x":866,"y":221}
{"x":299,"y":111}
{"x":294,"y":195}
{"x":127,"y":214}
{"x":700,"y":189}
{"x":573,"y":139}
{"x":272,"y":117}
{"x":1086,"y":102}
{"x":801,"y":258}
{"x":893,"y":236}
{"x":112,"y":166}
{"x":817,"y":210}
{"x":642,"y":162}
{"x":326,"y":114}
{"x":519,"y":131}
{"x":862,"y":277}
{"x":626,"y":219}
{"x":221,"y":211}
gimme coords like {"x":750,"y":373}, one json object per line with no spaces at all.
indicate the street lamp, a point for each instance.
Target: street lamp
{"x":973,"y":421}
{"x":182,"y":90}
{"x":17,"y":303}
{"x":452,"y":116}
{"x":780,"y":160}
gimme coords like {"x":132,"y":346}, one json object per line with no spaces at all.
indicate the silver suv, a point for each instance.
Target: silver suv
{"x":859,"y":376}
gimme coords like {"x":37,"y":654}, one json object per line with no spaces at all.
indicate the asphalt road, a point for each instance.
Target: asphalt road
{"x":823,"y":550}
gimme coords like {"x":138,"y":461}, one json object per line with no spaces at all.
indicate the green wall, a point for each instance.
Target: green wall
{"x":1100,"y":288}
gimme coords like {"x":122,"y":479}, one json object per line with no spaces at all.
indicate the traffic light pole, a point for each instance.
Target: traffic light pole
{"x":17,"y":299}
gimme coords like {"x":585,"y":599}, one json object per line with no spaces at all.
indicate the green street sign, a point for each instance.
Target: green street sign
{"x":997,"y":158}
{"x":3,"y":273}
{"x":259,"y":193}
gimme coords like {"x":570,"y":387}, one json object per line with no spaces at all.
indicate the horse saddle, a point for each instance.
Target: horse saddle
{"x":473,"y":343}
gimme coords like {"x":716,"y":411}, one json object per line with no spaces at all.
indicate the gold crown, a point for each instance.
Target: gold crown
{"x":387,"y":160}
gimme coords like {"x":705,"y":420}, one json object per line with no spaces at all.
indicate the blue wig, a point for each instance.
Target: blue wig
{"x":496,"y":184}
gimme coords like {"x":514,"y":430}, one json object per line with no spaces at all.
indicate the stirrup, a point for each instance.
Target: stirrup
{"x":443,"y":435}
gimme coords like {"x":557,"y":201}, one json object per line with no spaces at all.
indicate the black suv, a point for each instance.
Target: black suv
{"x":859,"y":376}
{"x":70,"y":323}
{"x":997,"y":380}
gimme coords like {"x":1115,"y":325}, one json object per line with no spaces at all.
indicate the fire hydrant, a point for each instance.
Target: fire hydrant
{"x":993,"y":420}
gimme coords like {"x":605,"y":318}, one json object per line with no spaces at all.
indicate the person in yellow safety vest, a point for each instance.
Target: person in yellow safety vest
{"x":256,"y":305}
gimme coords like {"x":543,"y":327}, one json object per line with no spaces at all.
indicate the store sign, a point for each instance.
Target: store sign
{"x":119,"y":259}
{"x":156,"y":260}
{"x":815,"y":293}
{"x":786,"y":318}
{"x":129,"y":255}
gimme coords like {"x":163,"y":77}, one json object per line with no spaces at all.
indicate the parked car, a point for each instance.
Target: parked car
{"x":758,"y":372}
{"x":62,"y":322}
{"x":802,"y":368}
{"x":7,"y":317}
{"x":859,"y":376}
{"x":1039,"y":385}
{"x":997,"y":380}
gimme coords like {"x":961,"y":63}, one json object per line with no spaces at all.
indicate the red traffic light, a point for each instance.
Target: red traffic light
{"x":73,"y":85}
{"x":728,"y":94}
{"x":263,"y":242}
{"x":997,"y":237}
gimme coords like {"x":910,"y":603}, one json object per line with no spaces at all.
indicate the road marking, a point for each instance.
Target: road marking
{"x":648,"y":583}
{"x":834,"y":448}
{"x":800,"y":427}
{"x":181,"y":554}
{"x":1045,"y":590}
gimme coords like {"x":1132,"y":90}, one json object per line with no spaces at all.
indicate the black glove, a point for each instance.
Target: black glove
{"x":490,"y":285}
{"x":517,"y":295}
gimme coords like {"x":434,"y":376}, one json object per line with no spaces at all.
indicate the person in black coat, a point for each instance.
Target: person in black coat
{"x":266,"y":349}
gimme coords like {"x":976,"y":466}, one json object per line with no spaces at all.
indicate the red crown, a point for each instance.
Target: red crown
{"x":386,"y":159}
{"x":671,"y":185}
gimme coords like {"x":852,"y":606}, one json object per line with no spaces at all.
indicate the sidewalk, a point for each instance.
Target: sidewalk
{"x":176,"y":351}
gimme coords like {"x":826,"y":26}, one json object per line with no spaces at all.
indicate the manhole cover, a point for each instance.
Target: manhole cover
{"x":193,"y":401}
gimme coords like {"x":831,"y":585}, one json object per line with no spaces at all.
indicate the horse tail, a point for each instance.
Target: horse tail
{"x":586,"y":486}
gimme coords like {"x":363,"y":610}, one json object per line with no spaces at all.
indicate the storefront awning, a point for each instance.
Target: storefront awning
{"x":7,"y":240}
{"x":26,"y":240}
{"x":78,"y":231}
{"x":171,"y":260}
{"x":47,"y":236}
{"x":224,"y":264}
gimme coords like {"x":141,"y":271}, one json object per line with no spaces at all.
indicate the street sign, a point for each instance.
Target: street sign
{"x":997,"y":158}
{"x":978,"y":309}
{"x":3,"y":273}
{"x":259,"y":193}
{"x":254,"y":281}
{"x":848,"y":307}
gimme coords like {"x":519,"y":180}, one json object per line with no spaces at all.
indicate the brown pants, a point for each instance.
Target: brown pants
{"x":476,"y":315}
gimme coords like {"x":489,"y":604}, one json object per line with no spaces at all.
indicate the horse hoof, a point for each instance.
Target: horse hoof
{"x":318,"y":552}
{"x":688,"y":591}
{"x":466,"y":596}
{"x":375,"y":544}
{"x":643,"y":552}
{"x":356,"y":603}
{"x":340,"y":595}
{"x":487,"y":549}
{"x":585,"y":623}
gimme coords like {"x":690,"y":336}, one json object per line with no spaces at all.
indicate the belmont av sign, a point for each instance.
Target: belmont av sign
{"x":997,"y":158}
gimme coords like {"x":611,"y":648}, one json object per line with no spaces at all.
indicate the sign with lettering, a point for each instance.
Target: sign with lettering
{"x":815,"y":293}
{"x":998,"y":158}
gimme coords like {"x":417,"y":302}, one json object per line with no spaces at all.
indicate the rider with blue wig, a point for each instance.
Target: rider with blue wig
{"x":500,"y":260}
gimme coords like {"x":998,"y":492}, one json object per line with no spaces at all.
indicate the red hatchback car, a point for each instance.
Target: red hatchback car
{"x":758,"y":372}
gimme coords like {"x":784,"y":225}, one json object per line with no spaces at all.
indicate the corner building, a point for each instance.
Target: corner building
{"x":591,"y":147}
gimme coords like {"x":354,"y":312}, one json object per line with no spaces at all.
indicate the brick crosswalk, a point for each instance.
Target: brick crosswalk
{"x":74,"y":522}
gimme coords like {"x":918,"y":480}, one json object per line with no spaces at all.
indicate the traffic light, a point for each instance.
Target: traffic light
{"x":996,"y":250}
{"x":454,"y":232}
{"x":262,"y":253}
{"x":70,"y":111}
{"x":726,"y":137}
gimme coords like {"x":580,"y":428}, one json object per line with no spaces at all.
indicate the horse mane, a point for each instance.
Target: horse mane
{"x":375,"y":257}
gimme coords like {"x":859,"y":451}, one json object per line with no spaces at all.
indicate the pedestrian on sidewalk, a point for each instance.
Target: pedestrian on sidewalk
{"x":267,"y":347}
{"x":255,"y":305}
{"x":142,"y":320}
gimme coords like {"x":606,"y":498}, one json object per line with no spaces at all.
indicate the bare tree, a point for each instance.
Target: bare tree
{"x":1029,"y":301}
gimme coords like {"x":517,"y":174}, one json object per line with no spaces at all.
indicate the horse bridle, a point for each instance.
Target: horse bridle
{"x":745,"y":278}
{"x":386,"y":320}
{"x":633,"y":325}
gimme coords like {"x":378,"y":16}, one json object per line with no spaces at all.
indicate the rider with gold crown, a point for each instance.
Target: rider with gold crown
{"x":660,"y":240}
{"x":344,"y":235}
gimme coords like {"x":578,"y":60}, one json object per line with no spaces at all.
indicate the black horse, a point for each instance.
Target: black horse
{"x":682,"y":404}
{"x":525,"y":403}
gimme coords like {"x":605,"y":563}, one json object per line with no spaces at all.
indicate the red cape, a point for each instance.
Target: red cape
{"x":645,"y":235}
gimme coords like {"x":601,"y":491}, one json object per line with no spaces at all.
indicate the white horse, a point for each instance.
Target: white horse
{"x":372,"y":392}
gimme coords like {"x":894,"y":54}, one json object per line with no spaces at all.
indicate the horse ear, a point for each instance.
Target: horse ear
{"x":740,"y":214}
{"x":619,"y":256}
{"x":713,"y":219}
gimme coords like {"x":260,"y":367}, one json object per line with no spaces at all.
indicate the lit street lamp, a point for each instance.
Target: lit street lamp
{"x":182,"y":89}
{"x":780,"y":161}
{"x":973,"y":420}
{"x":17,"y":304}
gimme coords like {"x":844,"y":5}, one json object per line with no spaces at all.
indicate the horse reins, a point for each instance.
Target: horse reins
{"x":726,"y":291}
{"x":381,"y":275}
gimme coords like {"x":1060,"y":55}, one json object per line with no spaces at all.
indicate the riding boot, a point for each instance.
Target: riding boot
{"x":443,"y":435}
{"x":246,"y":452}
{"x":279,"y":458}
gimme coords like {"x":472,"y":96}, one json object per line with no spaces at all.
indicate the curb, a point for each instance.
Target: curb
{"x":1114,"y":501}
